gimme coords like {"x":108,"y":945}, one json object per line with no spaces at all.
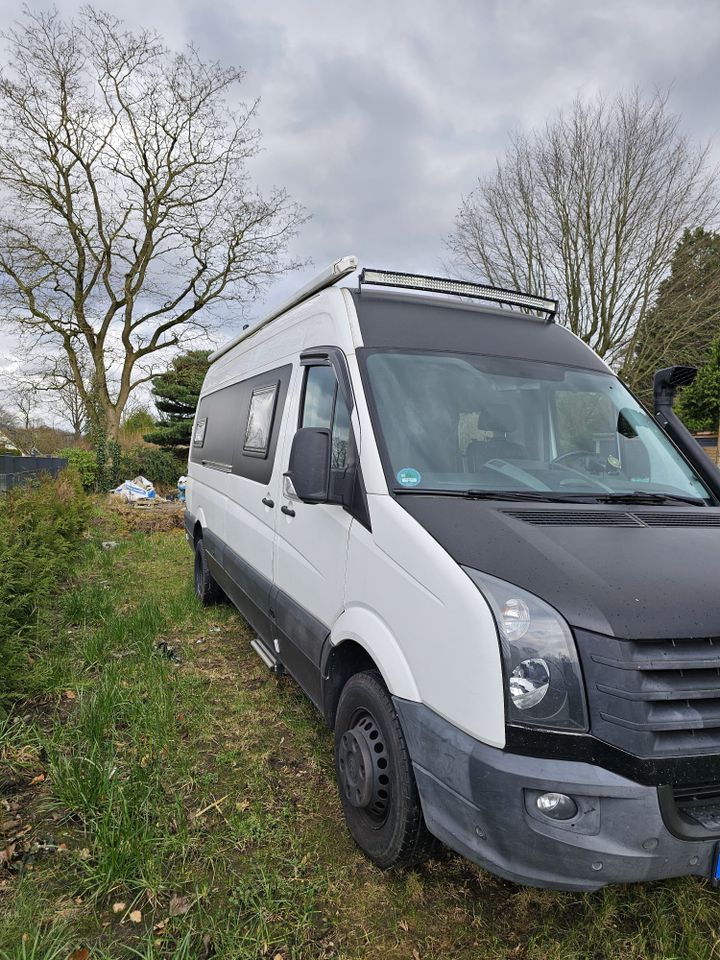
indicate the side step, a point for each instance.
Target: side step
{"x":267,"y":656}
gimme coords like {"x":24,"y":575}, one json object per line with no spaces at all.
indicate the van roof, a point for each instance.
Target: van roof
{"x":441,"y":321}
{"x":415,"y":322}
{"x":326,"y":278}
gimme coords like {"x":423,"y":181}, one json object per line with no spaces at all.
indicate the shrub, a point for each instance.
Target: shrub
{"x":84,"y":462}
{"x":42,"y":525}
{"x":137,"y":422}
{"x":159,"y":466}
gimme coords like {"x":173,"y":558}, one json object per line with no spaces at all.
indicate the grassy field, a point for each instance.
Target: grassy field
{"x":163,"y":796}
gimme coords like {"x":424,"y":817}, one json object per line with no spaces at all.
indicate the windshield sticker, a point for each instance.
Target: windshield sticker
{"x":408,"y":477}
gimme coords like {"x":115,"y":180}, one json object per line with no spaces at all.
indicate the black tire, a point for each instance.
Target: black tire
{"x":207,"y":589}
{"x":382,"y":809}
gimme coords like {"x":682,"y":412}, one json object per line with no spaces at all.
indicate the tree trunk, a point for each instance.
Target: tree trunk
{"x":112,"y":416}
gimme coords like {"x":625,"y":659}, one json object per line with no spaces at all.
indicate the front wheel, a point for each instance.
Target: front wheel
{"x":375,"y":778}
{"x":207,"y":589}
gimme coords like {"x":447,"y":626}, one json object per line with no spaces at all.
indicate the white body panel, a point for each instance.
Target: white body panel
{"x":206,"y":497}
{"x":250,"y":524}
{"x":438,"y":619}
{"x":395,"y":591}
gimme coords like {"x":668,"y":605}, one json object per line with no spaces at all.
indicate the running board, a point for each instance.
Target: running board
{"x":267,"y":656}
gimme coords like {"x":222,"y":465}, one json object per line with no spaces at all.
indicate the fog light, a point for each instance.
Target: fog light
{"x":557,"y":806}
{"x":529,"y":682}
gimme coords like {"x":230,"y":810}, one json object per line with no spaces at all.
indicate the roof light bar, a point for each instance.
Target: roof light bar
{"x":459,"y":288}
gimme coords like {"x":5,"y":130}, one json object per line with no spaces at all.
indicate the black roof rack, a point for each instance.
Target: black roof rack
{"x":458,"y":288}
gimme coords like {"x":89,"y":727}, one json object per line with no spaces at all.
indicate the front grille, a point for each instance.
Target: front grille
{"x":559,"y":517}
{"x":653,"y":698}
{"x":574,"y":518}
{"x":674,"y":518}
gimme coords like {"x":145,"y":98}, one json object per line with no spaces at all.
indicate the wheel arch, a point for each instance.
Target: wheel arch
{"x":199,"y":526}
{"x":359,"y":641}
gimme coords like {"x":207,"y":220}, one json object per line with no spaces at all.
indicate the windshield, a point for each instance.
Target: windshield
{"x":471,"y":423}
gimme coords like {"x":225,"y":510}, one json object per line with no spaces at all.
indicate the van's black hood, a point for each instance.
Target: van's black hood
{"x":638,"y":582}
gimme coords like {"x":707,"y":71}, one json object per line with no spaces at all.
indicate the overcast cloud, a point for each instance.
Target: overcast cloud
{"x":380,"y":116}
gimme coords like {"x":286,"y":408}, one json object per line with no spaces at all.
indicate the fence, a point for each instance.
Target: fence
{"x":709,"y":442}
{"x":17,"y":470}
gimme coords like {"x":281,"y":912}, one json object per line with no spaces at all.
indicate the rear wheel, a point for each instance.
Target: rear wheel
{"x":375,"y":778}
{"x":207,"y":589}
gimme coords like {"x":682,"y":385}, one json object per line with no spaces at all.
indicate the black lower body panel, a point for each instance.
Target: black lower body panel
{"x":285,"y":627}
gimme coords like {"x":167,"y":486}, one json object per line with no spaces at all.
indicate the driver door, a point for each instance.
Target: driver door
{"x":312,"y":539}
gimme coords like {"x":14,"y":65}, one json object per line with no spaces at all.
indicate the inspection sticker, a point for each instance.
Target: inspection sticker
{"x":408,"y":477}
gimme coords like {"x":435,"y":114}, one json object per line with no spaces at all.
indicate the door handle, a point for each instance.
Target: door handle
{"x":268,"y":502}
{"x":288,"y":511}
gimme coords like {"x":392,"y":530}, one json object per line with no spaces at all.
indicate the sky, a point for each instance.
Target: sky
{"x":380,"y":117}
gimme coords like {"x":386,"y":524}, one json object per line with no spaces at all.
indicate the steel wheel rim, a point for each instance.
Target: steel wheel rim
{"x":364,"y":767}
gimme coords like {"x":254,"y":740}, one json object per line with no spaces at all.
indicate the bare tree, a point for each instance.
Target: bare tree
{"x":70,"y":402}
{"x":589,"y":210}
{"x":54,"y":377}
{"x":48,"y":382}
{"x":128,"y":219}
{"x":9,"y":428}
{"x":25,"y":396}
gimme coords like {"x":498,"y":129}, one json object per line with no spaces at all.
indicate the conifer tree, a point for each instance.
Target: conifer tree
{"x":176,"y":394}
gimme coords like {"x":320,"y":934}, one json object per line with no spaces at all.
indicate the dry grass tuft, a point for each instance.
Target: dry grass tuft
{"x":153,"y":516}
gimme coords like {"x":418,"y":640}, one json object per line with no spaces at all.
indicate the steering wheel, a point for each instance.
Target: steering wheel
{"x":592,"y":459}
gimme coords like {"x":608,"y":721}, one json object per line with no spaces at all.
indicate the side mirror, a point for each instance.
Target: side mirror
{"x":309,"y":466}
{"x":667,"y":382}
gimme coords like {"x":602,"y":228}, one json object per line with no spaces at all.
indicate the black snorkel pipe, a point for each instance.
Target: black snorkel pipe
{"x":665,"y":386}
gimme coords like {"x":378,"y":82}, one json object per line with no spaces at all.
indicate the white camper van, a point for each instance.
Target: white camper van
{"x":490,"y":568}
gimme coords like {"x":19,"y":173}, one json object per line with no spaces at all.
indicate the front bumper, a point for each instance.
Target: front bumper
{"x":480,"y":801}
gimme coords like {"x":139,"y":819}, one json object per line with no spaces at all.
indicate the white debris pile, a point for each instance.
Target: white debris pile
{"x":138,"y":489}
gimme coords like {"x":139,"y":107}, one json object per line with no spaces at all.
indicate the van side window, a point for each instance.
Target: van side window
{"x":199,"y":436}
{"x":323,"y":406}
{"x":259,"y":421}
{"x":237,"y":426}
{"x":340,"y":435}
{"x":319,"y":400}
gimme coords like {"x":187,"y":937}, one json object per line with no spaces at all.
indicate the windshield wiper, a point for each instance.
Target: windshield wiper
{"x":539,"y":495}
{"x":643,"y":496}
{"x":630,"y":496}
{"x":536,"y":495}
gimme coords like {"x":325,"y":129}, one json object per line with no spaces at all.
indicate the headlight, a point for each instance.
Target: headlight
{"x":542,"y":671}
{"x":529,"y":683}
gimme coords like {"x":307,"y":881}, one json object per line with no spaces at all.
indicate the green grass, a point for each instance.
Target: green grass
{"x":201,"y":794}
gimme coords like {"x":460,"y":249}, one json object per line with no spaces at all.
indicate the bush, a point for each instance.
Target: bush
{"x":42,"y":525}
{"x":159,"y":466}
{"x":84,"y":462}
